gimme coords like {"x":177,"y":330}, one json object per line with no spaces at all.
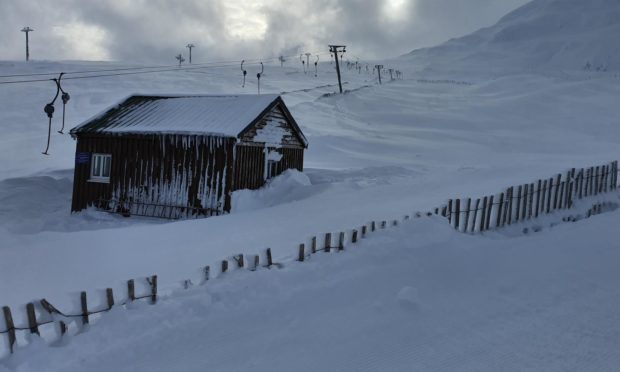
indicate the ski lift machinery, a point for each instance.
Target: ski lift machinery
{"x":49,"y":110}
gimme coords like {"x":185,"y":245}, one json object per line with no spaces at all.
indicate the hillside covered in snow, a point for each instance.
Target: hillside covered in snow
{"x":541,"y":35}
{"x":507,"y":105}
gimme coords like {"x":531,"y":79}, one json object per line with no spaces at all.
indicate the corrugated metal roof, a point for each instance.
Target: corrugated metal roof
{"x":220,"y":115}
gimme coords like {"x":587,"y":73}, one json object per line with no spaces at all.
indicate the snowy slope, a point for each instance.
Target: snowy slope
{"x":419,"y":297}
{"x":378,"y":152}
{"x":541,"y":35}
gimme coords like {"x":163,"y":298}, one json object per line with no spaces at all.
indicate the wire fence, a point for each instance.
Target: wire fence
{"x":546,"y":195}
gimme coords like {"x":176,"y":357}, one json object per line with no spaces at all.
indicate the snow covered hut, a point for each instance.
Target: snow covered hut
{"x":182,"y":156}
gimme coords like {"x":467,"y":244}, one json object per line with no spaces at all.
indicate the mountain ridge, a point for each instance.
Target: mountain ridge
{"x":542,"y":34}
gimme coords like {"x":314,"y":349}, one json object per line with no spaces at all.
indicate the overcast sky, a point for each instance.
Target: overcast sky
{"x":156,"y":30}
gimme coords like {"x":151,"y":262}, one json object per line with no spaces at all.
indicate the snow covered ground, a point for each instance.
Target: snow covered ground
{"x":417,"y":298}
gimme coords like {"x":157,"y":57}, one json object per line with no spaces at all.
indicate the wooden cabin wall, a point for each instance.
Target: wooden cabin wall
{"x":158,"y":175}
{"x":250,"y":164}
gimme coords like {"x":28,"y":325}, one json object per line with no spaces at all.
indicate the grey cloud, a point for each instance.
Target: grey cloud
{"x":156,"y":30}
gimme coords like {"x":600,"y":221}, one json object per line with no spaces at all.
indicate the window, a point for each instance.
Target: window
{"x":100,"y":168}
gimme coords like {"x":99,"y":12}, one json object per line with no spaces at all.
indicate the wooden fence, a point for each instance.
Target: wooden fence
{"x":515,"y":204}
{"x":524,"y":202}
{"x":43,"y":312}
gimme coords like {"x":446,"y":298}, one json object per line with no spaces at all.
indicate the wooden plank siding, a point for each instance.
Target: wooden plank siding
{"x":158,"y":175}
{"x":250,"y":164}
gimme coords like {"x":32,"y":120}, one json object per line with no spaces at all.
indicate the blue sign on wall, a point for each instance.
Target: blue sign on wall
{"x":82,"y":158}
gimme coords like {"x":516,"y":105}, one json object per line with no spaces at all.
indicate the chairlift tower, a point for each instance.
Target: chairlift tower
{"x":180,"y":58}
{"x":27,"y":29}
{"x":379,"y":68}
{"x":335,"y":49}
{"x":190,"y":46}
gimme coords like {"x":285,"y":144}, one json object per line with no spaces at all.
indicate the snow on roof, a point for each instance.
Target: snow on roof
{"x":204,"y":114}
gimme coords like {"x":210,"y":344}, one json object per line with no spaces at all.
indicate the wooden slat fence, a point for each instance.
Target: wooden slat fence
{"x":524,"y":202}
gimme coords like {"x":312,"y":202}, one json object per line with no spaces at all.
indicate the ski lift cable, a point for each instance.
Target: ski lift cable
{"x":176,"y":68}
{"x":256,"y":60}
{"x":193,"y":67}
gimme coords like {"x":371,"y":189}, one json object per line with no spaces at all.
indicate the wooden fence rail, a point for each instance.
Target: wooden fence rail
{"x":524,"y":202}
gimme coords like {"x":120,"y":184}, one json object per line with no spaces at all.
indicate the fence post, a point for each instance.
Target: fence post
{"x":473,"y":223}
{"x":588,"y":180}
{"x":328,"y":242}
{"x":525,"y":198}
{"x":596,"y":180}
{"x":488,"y":223}
{"x":341,"y":242}
{"x":519,"y":193}
{"x":530,"y":204}
{"x":153,"y":283}
{"x":10,"y":327}
{"x":84,"y":304}
{"x":354,"y":236}
{"x":224,"y":266}
{"x":302,"y":253}
{"x":467,"y":211}
{"x":269,"y":258}
{"x":131,"y":290}
{"x":543,"y":197}
{"x":240,"y":260}
{"x":109,"y":294}
{"x":573,"y":186}
{"x":557,"y":191}
{"x":538,"y":198}
{"x":383,"y":224}
{"x":498,"y":220}
{"x":608,"y":178}
{"x":372,"y":226}
{"x":457,"y":214}
{"x":256,"y":262}
{"x":206,"y":271}
{"x":450,"y":212}
{"x":32,"y":319}
{"x":363,"y":231}
{"x":509,"y":209}
{"x":549,"y":192}
{"x":561,"y":201}
{"x":483,"y":214}
{"x":567,"y":189}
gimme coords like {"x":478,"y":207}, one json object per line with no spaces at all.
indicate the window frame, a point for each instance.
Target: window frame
{"x":271,"y":169}
{"x":99,"y":160}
